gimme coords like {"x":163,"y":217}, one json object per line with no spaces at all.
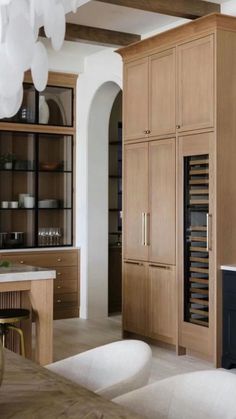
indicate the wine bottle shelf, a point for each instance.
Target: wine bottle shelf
{"x":196,"y":198}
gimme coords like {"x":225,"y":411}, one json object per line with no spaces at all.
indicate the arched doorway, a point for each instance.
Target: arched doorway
{"x":94,"y":254}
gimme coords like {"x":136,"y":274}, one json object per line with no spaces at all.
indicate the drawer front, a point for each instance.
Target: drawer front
{"x":62,"y":287}
{"x":66,"y":313}
{"x":66,"y":273}
{"x":65,"y":300}
{"x":44,"y":259}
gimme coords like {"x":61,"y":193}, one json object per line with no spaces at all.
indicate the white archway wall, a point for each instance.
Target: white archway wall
{"x":97,"y":89}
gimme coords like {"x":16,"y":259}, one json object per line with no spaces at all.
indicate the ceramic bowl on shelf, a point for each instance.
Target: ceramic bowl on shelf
{"x":48,"y":203}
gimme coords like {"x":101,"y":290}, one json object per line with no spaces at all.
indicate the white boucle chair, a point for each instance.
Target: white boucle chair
{"x":109,"y":370}
{"x":197,"y":395}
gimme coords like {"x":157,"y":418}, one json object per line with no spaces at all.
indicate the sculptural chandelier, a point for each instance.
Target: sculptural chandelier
{"x":20,"y":49}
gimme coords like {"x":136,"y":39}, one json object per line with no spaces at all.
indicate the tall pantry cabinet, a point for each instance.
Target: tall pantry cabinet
{"x":179,"y":183}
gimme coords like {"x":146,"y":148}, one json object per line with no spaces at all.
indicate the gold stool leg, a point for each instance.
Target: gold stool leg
{"x":19,"y":331}
{"x":3,"y":340}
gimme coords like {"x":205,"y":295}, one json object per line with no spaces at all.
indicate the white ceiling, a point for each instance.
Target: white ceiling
{"x":118,"y":18}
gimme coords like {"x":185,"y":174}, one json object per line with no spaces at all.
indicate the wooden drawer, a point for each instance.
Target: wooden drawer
{"x":45,"y":259}
{"x":65,"y":300}
{"x":66,"y":273}
{"x":66,"y":313}
{"x":61,"y":287}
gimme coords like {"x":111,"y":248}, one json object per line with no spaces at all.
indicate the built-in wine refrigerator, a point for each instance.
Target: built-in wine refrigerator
{"x":196,"y":239}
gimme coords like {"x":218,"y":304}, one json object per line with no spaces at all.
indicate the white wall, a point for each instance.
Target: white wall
{"x":97,"y":89}
{"x":229,"y":7}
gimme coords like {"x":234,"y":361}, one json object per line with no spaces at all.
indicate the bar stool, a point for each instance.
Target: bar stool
{"x":8,"y":316}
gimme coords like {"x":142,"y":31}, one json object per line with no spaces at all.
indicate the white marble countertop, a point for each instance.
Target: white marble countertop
{"x":228,"y":268}
{"x":18,"y":272}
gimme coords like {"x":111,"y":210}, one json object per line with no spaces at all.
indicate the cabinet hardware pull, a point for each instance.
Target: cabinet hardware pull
{"x":59,"y":260}
{"x":146,"y":230}
{"x":133,"y":263}
{"x":160,"y":267}
{"x":22,"y":261}
{"x":143,"y":229}
{"x":209,"y":232}
{"x":178,"y":126}
{"x":58,"y":301}
{"x":58,"y":273}
{"x":58,"y":287}
{"x":148,"y":131}
{"x":145,"y":131}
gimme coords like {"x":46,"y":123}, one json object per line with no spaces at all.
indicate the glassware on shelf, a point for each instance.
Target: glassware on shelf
{"x":49,"y":236}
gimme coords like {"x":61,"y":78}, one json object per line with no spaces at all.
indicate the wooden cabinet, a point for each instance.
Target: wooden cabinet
{"x":149,"y":300}
{"x":162,"y":93}
{"x":162,"y":201}
{"x":149,"y":104}
{"x":135,"y":297}
{"x":196,"y":84}
{"x":37,"y":167}
{"x":205,"y":171}
{"x":66,"y":285}
{"x":136,"y":105}
{"x":162,"y":303}
{"x":149,"y":224}
{"x":135,"y":200}
{"x":149,"y":205}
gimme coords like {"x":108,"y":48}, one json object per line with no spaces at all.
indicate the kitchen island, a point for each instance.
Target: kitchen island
{"x":36,"y":289}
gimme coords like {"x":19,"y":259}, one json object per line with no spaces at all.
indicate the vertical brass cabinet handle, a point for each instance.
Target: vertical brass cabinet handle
{"x":147,"y":229}
{"x":143,"y":228}
{"x":209,"y":232}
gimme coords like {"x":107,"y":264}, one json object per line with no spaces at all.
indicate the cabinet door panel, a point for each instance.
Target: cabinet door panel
{"x":135,"y":297}
{"x":136,"y":99}
{"x":196,"y":84}
{"x":162,"y":93}
{"x":162,"y":201}
{"x":135,"y":200}
{"x":162,"y":303}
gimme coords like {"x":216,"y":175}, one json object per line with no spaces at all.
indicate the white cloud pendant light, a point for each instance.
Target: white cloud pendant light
{"x":19,"y":48}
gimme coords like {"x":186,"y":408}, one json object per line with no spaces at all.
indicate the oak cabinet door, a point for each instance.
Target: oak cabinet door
{"x":196,"y":84}
{"x":136,"y":99}
{"x":162,"y":93}
{"x":135,"y":297}
{"x":162,"y":303}
{"x":162,"y":201}
{"x":135,"y":200}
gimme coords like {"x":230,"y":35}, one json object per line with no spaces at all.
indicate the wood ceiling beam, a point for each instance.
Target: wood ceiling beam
{"x":89,"y":34}
{"x":190,"y":9}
